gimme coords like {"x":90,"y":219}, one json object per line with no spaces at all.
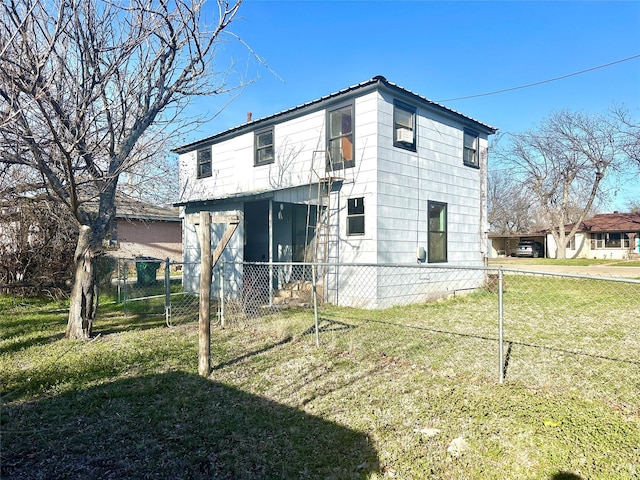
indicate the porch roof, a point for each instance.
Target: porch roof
{"x":252,"y":196}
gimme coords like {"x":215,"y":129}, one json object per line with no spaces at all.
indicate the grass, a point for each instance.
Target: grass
{"x":388,"y":394}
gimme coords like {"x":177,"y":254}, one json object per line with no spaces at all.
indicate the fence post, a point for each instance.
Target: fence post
{"x":124,"y":286}
{"x":167,"y":292}
{"x":501,"y":325}
{"x":204,"y":335}
{"x":119,"y":260}
{"x":315,"y":302}
{"x":222,"y":321}
{"x":271,"y":283}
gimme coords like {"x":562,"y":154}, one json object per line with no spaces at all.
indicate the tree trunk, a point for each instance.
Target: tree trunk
{"x":561,"y":246}
{"x":84,"y":295}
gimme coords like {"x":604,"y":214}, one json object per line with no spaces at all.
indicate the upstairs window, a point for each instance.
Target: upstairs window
{"x":264,"y":147}
{"x":404,"y":126}
{"x":470,"y":152}
{"x":355,"y":216}
{"x":437,"y":234}
{"x":204,"y":162}
{"x":340,"y":138}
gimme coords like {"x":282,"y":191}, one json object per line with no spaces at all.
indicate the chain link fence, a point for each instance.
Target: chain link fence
{"x":574,"y":334}
{"x":571,"y":333}
{"x":154,"y":287}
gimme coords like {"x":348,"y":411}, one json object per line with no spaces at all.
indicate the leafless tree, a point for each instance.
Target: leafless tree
{"x":634,"y":206}
{"x":36,"y":236}
{"x":563,"y":164}
{"x":631,"y":131}
{"x":87,"y":87}
{"x":510,"y":206}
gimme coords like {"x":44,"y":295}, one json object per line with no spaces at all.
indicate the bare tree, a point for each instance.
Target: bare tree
{"x":631,"y":131}
{"x":634,"y":206}
{"x":563,"y":164}
{"x":86,"y":87}
{"x":36,"y":235}
{"x":510,"y":206}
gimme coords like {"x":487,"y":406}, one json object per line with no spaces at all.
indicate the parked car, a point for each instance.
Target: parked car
{"x":530,"y":248}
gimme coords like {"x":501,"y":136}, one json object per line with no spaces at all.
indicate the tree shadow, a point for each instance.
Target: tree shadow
{"x":565,"y":476}
{"x":176,"y":425}
{"x":23,"y":328}
{"x":129,"y":322}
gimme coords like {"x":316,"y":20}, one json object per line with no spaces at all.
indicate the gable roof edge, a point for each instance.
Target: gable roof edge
{"x":370,"y":84}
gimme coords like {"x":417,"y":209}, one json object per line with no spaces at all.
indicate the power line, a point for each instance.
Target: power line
{"x":542,"y":81}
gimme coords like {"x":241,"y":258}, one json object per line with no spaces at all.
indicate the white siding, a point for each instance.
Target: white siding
{"x":408,"y":180}
{"x":396,"y":185}
{"x":360,"y":181}
{"x":233,"y":169}
{"x":191,"y":248}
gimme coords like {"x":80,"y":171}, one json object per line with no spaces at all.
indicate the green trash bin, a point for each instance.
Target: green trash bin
{"x":147,"y":268}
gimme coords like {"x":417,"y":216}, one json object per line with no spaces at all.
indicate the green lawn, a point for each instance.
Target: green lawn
{"x":409,"y":392}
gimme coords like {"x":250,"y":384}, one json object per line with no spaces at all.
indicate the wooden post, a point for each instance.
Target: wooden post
{"x":204,"y":336}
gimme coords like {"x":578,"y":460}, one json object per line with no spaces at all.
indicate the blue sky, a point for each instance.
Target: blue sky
{"x":443,"y":50}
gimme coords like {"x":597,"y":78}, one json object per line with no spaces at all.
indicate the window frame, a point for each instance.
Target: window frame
{"x":358,"y":215}
{"x":613,"y":240}
{"x":331,"y":164}
{"x":475,"y":163}
{"x":257,"y":148}
{"x":597,"y":241}
{"x":412,"y":111}
{"x":201,"y":173}
{"x":441,"y":233}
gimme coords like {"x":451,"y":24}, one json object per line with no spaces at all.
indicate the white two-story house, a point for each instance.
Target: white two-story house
{"x":372,"y":174}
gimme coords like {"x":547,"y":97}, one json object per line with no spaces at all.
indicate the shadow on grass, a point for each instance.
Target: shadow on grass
{"x":127,"y":323}
{"x":510,"y":343}
{"x":328,"y":325}
{"x":23,"y":328}
{"x":176,"y":425}
{"x":11,"y":346}
{"x":251,"y":354}
{"x":33,"y":329}
{"x":565,"y":476}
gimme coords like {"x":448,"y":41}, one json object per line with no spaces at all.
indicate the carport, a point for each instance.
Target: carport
{"x":505,"y":244}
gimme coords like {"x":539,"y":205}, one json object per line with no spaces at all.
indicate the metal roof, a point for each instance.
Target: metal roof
{"x":371,"y":84}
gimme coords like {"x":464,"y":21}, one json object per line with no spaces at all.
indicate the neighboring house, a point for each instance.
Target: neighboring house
{"x":371,"y":174}
{"x":146,"y":230}
{"x":606,"y":235}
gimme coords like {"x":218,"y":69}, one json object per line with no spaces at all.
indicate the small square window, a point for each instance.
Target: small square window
{"x":204,"y":162}
{"x":355,"y":216}
{"x":264,"y":147}
{"x":470,"y":151}
{"x":404,"y":123}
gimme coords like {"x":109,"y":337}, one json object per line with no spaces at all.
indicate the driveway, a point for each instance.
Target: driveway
{"x":602,"y":270}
